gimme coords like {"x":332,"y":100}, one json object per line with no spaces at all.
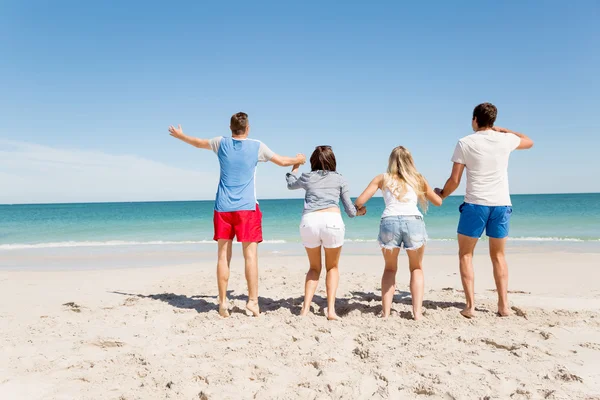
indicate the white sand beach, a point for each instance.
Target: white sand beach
{"x":154,"y":333}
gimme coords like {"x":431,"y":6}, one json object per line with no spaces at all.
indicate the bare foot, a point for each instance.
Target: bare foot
{"x":503,"y":312}
{"x":223,"y":311}
{"x":384,"y":316}
{"x":333,"y":317}
{"x":304,"y":312}
{"x":417,"y":316}
{"x":468,"y":313}
{"x":252,"y":306}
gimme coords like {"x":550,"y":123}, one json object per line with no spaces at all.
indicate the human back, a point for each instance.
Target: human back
{"x":238,"y":160}
{"x":405,"y":205}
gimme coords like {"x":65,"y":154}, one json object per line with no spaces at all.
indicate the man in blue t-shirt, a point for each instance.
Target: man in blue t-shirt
{"x":236,"y":211}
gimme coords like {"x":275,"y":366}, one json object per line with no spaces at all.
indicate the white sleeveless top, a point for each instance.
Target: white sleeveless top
{"x":406,"y":206}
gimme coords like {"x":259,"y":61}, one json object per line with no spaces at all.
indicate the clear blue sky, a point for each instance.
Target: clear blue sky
{"x":89,"y":89}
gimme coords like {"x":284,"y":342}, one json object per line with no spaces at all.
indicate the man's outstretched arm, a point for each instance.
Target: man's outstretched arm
{"x":526,"y":142}
{"x":453,"y":182}
{"x":284,"y":161}
{"x":196,"y":142}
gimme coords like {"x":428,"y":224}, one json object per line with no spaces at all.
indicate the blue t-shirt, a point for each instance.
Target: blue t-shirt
{"x":238,"y":159}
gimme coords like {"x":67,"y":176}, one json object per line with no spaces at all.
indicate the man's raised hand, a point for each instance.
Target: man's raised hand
{"x":176,"y":132}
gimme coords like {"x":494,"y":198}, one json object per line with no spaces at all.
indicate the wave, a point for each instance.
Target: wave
{"x":53,"y":245}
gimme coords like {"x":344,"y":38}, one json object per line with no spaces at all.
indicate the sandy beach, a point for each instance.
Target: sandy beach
{"x":154,"y":333}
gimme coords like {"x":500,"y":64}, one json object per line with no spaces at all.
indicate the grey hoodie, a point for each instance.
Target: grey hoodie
{"x":323,"y":190}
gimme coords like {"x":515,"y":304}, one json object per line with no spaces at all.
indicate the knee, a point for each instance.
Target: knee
{"x":497,"y":256}
{"x":465,"y":255}
{"x":333,"y":267}
{"x":315,"y":268}
{"x":390,"y":268}
{"x":416,"y":268}
{"x":250,"y":258}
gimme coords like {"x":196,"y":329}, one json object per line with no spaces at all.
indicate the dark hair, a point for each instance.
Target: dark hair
{"x":239,"y":123}
{"x":486,"y":115}
{"x":322,"y":159}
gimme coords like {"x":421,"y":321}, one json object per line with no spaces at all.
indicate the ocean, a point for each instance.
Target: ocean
{"x":536,"y":218}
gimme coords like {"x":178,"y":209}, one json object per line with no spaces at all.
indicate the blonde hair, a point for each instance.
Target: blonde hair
{"x":401,"y":172}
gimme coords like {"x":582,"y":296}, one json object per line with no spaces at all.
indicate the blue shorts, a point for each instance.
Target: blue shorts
{"x":407,"y":230}
{"x":475,"y":218}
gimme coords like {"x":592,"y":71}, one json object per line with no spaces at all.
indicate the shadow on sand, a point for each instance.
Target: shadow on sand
{"x":364,"y":302}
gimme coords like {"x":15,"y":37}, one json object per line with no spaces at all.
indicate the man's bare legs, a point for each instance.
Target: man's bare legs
{"x":388,"y":280}
{"x":500,"y":274}
{"x":417,"y":281}
{"x":466,"y":247}
{"x":251,"y":259}
{"x":223,"y":262}
{"x":332,"y":259}
{"x":312,"y":278}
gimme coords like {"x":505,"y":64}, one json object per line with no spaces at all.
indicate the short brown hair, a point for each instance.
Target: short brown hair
{"x":322,"y":159}
{"x":239,"y":123}
{"x":486,"y":114}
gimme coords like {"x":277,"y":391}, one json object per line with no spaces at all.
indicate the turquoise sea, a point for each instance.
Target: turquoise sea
{"x":536,"y":218}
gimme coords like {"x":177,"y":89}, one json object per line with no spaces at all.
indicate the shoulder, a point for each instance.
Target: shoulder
{"x":468,"y":139}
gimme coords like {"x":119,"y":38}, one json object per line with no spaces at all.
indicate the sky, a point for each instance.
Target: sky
{"x":88,"y":90}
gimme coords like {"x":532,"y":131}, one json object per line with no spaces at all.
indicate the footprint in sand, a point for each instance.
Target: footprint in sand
{"x":107,"y":344}
{"x":589,"y":345}
{"x":73,"y":307}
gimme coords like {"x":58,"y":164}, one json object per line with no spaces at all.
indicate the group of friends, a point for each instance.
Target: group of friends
{"x":406,"y":193}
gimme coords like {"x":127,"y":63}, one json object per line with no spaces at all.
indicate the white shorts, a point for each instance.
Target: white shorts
{"x":322,"y":229}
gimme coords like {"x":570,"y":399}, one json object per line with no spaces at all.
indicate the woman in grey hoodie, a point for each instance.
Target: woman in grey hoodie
{"x":322,"y":224}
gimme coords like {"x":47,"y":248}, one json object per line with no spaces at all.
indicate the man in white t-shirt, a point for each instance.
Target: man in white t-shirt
{"x":487,"y":204}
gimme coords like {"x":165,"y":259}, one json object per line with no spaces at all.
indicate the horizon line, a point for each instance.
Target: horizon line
{"x":212,"y":200}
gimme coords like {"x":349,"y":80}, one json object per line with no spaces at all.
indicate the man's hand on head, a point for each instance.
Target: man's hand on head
{"x":500,"y":129}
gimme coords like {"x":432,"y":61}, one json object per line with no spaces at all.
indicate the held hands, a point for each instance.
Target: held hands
{"x":439,"y":192}
{"x":300,"y":159}
{"x":176,"y":132}
{"x":361,"y":211}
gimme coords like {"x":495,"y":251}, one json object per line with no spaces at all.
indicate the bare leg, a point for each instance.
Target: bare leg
{"x":223,"y":262}
{"x":388,"y":280}
{"x":251,"y":259}
{"x":417,"y":281}
{"x":312,"y":278}
{"x":500,"y":274}
{"x":466,"y":247}
{"x":332,"y":259}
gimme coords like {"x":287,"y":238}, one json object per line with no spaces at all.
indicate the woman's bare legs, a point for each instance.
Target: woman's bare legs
{"x":332,"y":259}
{"x":312,"y":278}
{"x":388,"y":280}
{"x":417,"y":281}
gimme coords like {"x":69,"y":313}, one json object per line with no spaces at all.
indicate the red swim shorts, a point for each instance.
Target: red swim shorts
{"x":245,"y":225}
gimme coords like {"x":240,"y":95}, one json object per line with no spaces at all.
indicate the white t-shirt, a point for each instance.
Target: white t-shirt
{"x":485,"y":155}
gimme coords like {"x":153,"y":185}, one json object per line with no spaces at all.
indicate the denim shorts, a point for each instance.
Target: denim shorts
{"x":406,"y":230}
{"x":474,"y":219}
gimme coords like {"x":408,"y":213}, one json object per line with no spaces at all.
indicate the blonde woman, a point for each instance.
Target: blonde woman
{"x":404,"y":189}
